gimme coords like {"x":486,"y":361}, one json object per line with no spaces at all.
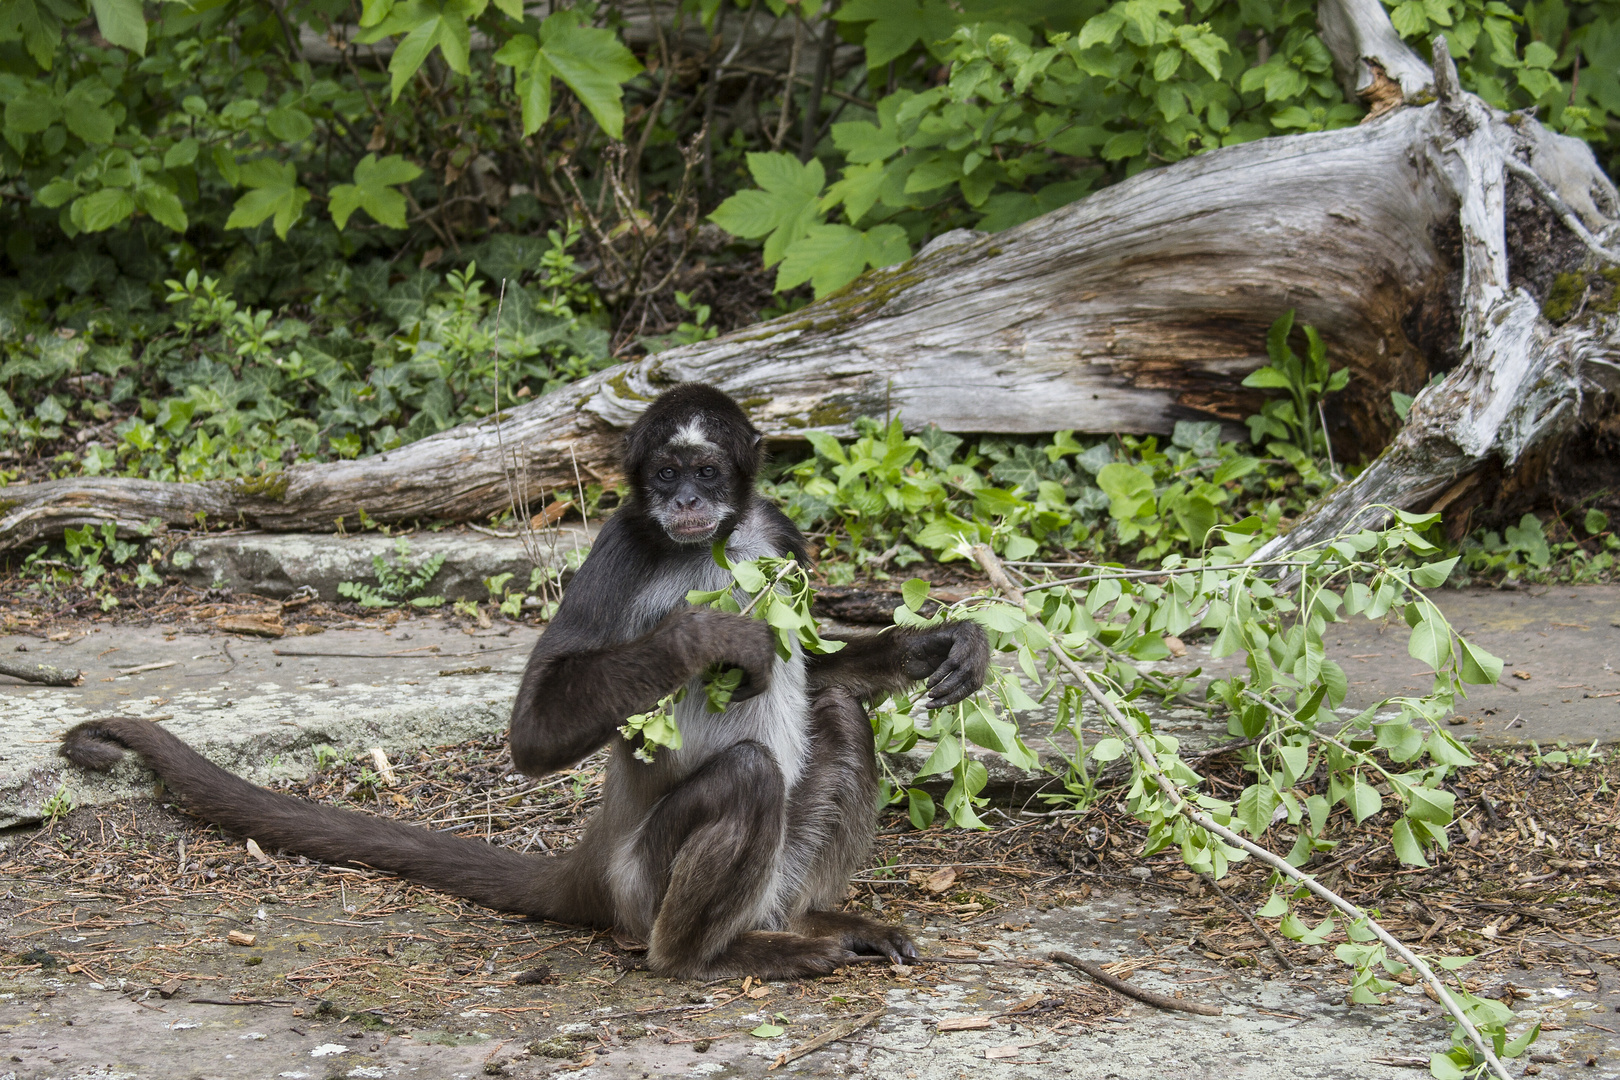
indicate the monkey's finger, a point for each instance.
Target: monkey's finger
{"x":949,"y":691}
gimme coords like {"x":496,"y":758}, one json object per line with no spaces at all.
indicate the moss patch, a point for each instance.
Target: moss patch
{"x":272,"y":486}
{"x":1599,"y":289}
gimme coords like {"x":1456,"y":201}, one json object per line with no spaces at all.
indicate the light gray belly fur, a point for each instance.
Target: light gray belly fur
{"x":778,"y":719}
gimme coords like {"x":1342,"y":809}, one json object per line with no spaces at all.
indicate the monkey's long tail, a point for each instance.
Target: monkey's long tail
{"x":489,"y":875}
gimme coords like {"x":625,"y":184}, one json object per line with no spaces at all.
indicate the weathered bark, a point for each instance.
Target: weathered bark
{"x":1524,"y":385}
{"x":35,"y":672}
{"x":1143,"y":304}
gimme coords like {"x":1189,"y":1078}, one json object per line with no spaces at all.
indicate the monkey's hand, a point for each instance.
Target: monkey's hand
{"x":721,"y":637}
{"x":953,"y":658}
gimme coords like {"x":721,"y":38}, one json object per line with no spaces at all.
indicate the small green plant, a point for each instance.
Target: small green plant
{"x":1578,"y":757}
{"x":58,"y":806}
{"x":1288,"y":427}
{"x":688,"y":332}
{"x":326,"y":757}
{"x":398,"y":581}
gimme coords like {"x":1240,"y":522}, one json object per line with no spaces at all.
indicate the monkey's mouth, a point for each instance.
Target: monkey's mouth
{"x":694,"y":530}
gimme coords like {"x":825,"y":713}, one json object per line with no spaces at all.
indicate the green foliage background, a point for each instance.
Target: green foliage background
{"x":222,"y":256}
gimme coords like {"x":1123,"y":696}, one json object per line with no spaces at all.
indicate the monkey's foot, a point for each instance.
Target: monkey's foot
{"x":860,"y":934}
{"x":763,"y":954}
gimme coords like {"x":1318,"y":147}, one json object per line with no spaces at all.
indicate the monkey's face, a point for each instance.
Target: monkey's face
{"x":689,"y":491}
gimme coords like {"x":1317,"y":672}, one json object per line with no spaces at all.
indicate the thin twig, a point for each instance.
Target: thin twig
{"x":1271,"y":942}
{"x":1120,"y":986}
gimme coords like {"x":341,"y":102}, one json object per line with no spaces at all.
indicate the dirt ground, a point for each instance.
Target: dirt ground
{"x":136,"y":911}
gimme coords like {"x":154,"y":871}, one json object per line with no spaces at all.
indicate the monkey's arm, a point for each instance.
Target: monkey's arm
{"x":571,"y":702}
{"x":953,"y":657}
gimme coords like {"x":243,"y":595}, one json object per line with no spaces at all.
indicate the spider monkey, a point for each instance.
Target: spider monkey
{"x":728,"y":855}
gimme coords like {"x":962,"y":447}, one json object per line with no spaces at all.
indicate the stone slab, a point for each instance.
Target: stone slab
{"x":277,"y":564}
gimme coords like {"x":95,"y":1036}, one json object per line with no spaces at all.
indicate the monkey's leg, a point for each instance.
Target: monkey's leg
{"x":550,"y":887}
{"x":712,"y":848}
{"x":831,"y":815}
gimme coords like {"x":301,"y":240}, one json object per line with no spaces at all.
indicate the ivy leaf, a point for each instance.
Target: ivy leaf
{"x":373,"y":191}
{"x":275,"y":192}
{"x":783,"y":209}
{"x":122,"y":23}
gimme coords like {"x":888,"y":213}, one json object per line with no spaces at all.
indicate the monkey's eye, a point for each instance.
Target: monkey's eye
{"x":706,"y":472}
{"x":666,"y":474}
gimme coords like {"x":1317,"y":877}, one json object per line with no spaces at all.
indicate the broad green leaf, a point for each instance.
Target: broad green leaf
{"x":1431,"y":805}
{"x":920,"y":808}
{"x":1596,"y":522}
{"x":593,"y":63}
{"x":1478,"y":666}
{"x":1407,"y":849}
{"x":1364,"y":801}
{"x":1274,"y":908}
{"x":1441,"y":1067}
{"x":1433,"y":575}
{"x":1429,"y":642}
{"x":275,"y":193}
{"x":783,"y":210}
{"x":122,"y":23}
{"x":915,"y":593}
{"x":1108,"y":749}
{"x":373,"y":191}
{"x":767,"y":1031}
{"x":103,"y":209}
{"x":163,"y":205}
{"x":289,"y":124}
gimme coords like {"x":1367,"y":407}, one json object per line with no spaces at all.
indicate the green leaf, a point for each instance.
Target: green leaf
{"x":103,"y":210}
{"x":1433,"y":575}
{"x":920,"y":808}
{"x":1431,"y":805}
{"x":1478,"y":666}
{"x":915,"y":593}
{"x":1407,"y":849}
{"x":275,"y":193}
{"x":83,"y":114}
{"x":1441,"y":1067}
{"x":894,"y":26}
{"x":1596,"y":522}
{"x":1429,"y":642}
{"x":1109,"y":749}
{"x":766,"y":1031}
{"x":785,"y":208}
{"x":593,"y":63}
{"x":1364,"y":801}
{"x":373,"y":191}
{"x":122,"y":23}
{"x":1274,"y":908}
{"x":163,"y":206}
{"x":1196,"y":515}
{"x":289,"y":125}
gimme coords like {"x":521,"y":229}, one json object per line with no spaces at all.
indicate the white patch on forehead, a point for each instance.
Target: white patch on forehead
{"x":691,"y":434}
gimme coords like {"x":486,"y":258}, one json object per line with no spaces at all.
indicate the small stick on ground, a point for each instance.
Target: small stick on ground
{"x":831,"y":1035}
{"x":35,"y":672}
{"x":1146,"y":997}
{"x":1271,"y":943}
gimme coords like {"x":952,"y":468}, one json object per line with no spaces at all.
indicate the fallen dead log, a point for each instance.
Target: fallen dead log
{"x":1414,"y":243}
